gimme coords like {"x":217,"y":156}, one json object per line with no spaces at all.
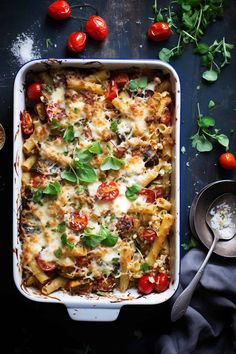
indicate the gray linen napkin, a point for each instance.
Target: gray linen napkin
{"x":209,"y":324}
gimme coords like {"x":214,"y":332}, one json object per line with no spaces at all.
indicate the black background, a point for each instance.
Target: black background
{"x":31,"y":325}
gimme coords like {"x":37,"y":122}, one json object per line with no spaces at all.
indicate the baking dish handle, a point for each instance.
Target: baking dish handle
{"x":93,"y":314}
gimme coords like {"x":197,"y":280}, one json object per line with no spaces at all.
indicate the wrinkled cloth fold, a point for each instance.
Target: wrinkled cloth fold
{"x":209,"y":324}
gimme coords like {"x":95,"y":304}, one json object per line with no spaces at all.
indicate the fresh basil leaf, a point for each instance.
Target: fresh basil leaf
{"x":206,"y":122}
{"x":85,"y":172}
{"x":110,"y":240}
{"x":201,"y":143}
{"x":133,"y":85}
{"x":93,"y":240}
{"x":69,"y":175}
{"x":202,"y":48}
{"x":95,"y":148}
{"x":69,"y":134}
{"x":53,"y":189}
{"x":58,"y":253}
{"x":63,"y":239}
{"x":111,"y":163}
{"x":115,"y":260}
{"x":61,"y":226}
{"x":210,"y":75}
{"x":132,"y":192}
{"x":189,"y":245}
{"x":83,"y":155}
{"x":223,"y":140}
{"x":55,"y":124}
{"x":38,"y":195}
{"x":76,"y":110}
{"x":144,"y":267}
{"x":211,"y":104}
{"x":165,"y":54}
{"x":142,"y":82}
{"x":114,"y":125}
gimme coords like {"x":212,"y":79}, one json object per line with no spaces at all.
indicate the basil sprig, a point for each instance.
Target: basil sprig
{"x":104,"y":237}
{"x":141,"y":83}
{"x":132,"y":192}
{"x":111,"y":163}
{"x":52,"y":190}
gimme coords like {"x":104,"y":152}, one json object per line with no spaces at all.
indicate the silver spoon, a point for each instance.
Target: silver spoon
{"x":2,"y":136}
{"x":221,"y":219}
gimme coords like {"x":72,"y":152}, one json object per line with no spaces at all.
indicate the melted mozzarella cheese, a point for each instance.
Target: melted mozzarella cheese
{"x":58,"y":95}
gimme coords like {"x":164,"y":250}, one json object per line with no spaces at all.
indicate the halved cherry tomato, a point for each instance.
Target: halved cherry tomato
{"x":96,"y":27}
{"x":146,"y":284}
{"x":37,"y":180}
{"x":107,"y":191}
{"x":159,"y":31}
{"x":45,"y":266}
{"x":77,"y":42}
{"x":159,"y":191}
{"x":161,"y":282}
{"x":121,"y":79}
{"x":34,"y":91}
{"x":112,"y":91}
{"x":77,"y":221}
{"x":148,"y":234}
{"x":26,"y":123}
{"x":227,"y":161}
{"x":149,"y":194}
{"x":59,"y":10}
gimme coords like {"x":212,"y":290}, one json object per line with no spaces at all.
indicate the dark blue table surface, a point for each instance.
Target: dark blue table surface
{"x":27,"y":322}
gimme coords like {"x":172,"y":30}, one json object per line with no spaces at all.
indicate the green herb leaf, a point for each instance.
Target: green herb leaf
{"x":211,"y":104}
{"x":189,"y":245}
{"x":58,"y":253}
{"x":95,"y":148}
{"x":183,"y":149}
{"x":110,"y":238}
{"x":114,"y":125}
{"x":85,"y":172}
{"x":115,"y":260}
{"x":202,"y":48}
{"x":144,"y":267}
{"x":210,"y":75}
{"x":55,"y":124}
{"x":69,"y":175}
{"x":133,"y":85}
{"x":165,"y":54}
{"x":66,"y":242}
{"x":132,"y":192}
{"x":104,"y":236}
{"x":69,"y":134}
{"x":61,"y":226}
{"x":111,"y":163}
{"x":201,"y":143}
{"x":83,"y":155}
{"x":223,"y":140}
{"x":206,"y":122}
{"x":142,"y":82}
{"x":53,"y":189}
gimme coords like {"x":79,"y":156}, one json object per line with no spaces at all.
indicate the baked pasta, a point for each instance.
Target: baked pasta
{"x":96,"y":211}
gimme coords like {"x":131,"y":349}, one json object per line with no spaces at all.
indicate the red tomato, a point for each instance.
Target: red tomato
{"x":59,"y":10}
{"x":121,"y":79}
{"x":107,"y":191}
{"x":227,"y":161}
{"x":159,"y":31}
{"x":34,"y":91}
{"x":148,"y":234}
{"x":26,"y":123}
{"x":159,"y":191}
{"x":112,"y":91}
{"x":78,"y":221}
{"x":96,"y":28}
{"x":45,"y":266}
{"x":37,"y":180}
{"x":77,"y":42}
{"x":166,"y":117}
{"x":146,"y":284}
{"x":161,"y":282}
{"x":149,"y":194}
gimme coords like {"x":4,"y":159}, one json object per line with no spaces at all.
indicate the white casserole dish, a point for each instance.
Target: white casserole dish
{"x":93,"y":307}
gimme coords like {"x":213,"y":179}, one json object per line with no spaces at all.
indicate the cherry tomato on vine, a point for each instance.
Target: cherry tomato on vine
{"x":34,"y":91}
{"x":227,"y":161}
{"x":78,"y":221}
{"x":77,"y":42}
{"x":112,"y":91}
{"x":107,"y":191}
{"x":26,"y":123}
{"x":59,"y":10}
{"x":159,"y":31}
{"x":149,"y":194}
{"x":161,"y":282}
{"x":146,"y":284}
{"x":148,"y":234}
{"x":96,"y":28}
{"x":45,"y":266}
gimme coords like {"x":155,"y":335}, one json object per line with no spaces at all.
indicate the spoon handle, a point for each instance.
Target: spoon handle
{"x":182,"y":302}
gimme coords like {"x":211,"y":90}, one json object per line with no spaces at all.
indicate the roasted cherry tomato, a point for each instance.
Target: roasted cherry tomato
{"x":34,"y":91}
{"x":148,"y":234}
{"x":121,"y":79}
{"x":96,"y":27}
{"x":159,"y":31}
{"x":146,"y":284}
{"x":159,"y":191}
{"x":77,"y":42}
{"x":166,"y":117}
{"x":161,"y":282}
{"x":78,"y":221}
{"x":45,"y":266}
{"x":37,"y":180}
{"x":107,"y":191}
{"x":149,"y":194}
{"x":227,"y":161}
{"x":26,"y":123}
{"x":59,"y":10}
{"x":112,"y":91}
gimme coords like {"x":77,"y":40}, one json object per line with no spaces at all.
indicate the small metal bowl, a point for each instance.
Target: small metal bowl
{"x":2,"y":136}
{"x":197,"y":216}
